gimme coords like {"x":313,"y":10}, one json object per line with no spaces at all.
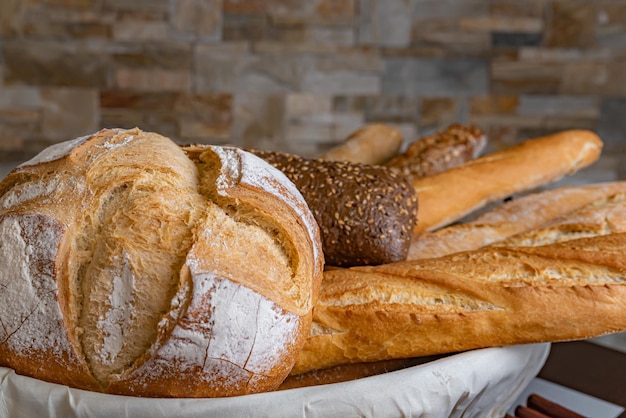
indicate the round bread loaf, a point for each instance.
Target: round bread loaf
{"x":128,"y":268}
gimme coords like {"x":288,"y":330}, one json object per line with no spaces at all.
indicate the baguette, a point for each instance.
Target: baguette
{"x":448,"y":196}
{"x":433,"y":154}
{"x":510,"y":218}
{"x":603,"y":217}
{"x":373,"y":145}
{"x":476,"y":299}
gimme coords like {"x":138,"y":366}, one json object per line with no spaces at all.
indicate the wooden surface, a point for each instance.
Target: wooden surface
{"x":589,"y":368}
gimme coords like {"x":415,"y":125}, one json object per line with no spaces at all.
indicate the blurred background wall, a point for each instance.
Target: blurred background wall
{"x":300,"y":75}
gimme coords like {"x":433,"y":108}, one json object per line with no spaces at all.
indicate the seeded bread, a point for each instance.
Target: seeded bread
{"x":128,"y":268}
{"x":475,"y":299}
{"x":366,"y":213}
{"x":439,"y":152}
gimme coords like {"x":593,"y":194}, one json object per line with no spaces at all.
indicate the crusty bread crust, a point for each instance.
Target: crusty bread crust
{"x":449,"y":196}
{"x":489,"y":297}
{"x":456,"y":145}
{"x":603,"y":217}
{"x":127,"y":267}
{"x":510,"y":218}
{"x":372,"y":144}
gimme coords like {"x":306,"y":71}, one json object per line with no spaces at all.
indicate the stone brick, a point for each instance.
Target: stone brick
{"x":164,"y":55}
{"x":69,"y":112}
{"x":204,"y":115}
{"x":611,"y":126}
{"x":437,"y":10}
{"x":564,"y":55}
{"x":16,"y":116}
{"x":340,"y":36}
{"x":41,"y":24}
{"x":340,"y":82}
{"x":451,"y":41}
{"x":245,"y":27}
{"x":74,"y":4}
{"x":571,"y":24}
{"x":611,"y":24}
{"x":400,"y":110}
{"x":153,"y":79}
{"x":306,"y":105}
{"x":316,"y":12}
{"x":493,"y":105}
{"x":515,"y":39}
{"x":562,"y":105}
{"x":299,"y":75}
{"x":303,"y":132}
{"x":150,"y":6}
{"x":594,"y":77}
{"x":196,"y":128}
{"x":48,"y":63}
{"x":259,"y":7}
{"x":20,"y":97}
{"x":133,"y":30}
{"x":332,"y":10}
{"x":501,"y":24}
{"x":436,"y":112}
{"x":526,"y":76}
{"x":133,"y":100}
{"x":199,"y":18}
{"x":385,"y":23}
{"x":548,"y":113}
{"x":435,"y":76}
{"x":276,"y":47}
{"x":320,"y":127}
{"x":234,"y":70}
{"x":11,"y":16}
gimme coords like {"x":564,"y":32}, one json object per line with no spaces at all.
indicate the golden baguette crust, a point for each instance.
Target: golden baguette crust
{"x":448,"y":196}
{"x":602,"y":217}
{"x":489,"y":297}
{"x":510,"y":218}
{"x":373,"y":144}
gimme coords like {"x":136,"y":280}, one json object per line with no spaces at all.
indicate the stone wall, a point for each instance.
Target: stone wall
{"x":300,"y":75}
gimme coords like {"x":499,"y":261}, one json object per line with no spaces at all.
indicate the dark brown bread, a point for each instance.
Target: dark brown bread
{"x":441,"y":151}
{"x":366,"y":214}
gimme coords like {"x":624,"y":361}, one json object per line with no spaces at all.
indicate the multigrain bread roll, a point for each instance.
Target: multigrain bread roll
{"x":483,"y":298}
{"x":433,"y":154}
{"x":373,"y":144}
{"x":128,"y":268}
{"x":510,"y":218}
{"x":450,"y":195}
{"x":366,"y":213}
